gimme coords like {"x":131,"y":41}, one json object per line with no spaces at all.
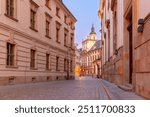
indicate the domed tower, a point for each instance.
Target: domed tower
{"x":92,"y":33}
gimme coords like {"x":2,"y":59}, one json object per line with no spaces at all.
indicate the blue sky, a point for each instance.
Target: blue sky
{"x":86,"y":12}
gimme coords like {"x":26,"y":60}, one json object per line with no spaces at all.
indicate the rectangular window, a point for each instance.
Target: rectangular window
{"x":32,"y":20}
{"x":47,"y":28}
{"x":65,"y":36}
{"x":33,"y":15}
{"x":32,"y":57}
{"x":65,"y":39}
{"x":57,"y":63}
{"x":71,"y":66}
{"x":71,"y":41}
{"x":57,"y":12}
{"x":10,"y":54}
{"x":47,"y":61}
{"x":65,"y":19}
{"x":10,"y":8}
{"x":58,"y":26}
{"x":72,"y":25}
{"x":57,"y":34}
{"x":65,"y":64}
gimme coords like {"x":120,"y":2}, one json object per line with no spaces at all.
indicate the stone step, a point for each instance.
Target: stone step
{"x":126,"y":87}
{"x":129,"y":85}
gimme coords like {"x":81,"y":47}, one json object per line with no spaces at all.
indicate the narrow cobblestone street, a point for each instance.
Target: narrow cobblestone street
{"x":83,"y":88}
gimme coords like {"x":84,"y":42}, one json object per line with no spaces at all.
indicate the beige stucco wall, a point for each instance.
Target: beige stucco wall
{"x":25,"y":39}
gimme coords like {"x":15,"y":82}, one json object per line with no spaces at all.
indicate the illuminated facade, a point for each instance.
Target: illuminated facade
{"x":36,"y":41}
{"x":125,"y":44}
{"x":91,"y":55}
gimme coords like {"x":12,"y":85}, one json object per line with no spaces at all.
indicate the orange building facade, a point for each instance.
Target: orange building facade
{"x":126,"y":44}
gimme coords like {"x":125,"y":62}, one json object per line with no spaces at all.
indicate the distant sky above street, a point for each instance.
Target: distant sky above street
{"x":86,"y":12}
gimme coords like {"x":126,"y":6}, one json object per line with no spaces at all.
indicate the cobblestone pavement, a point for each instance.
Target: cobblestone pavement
{"x":116,"y":93}
{"x":83,"y":88}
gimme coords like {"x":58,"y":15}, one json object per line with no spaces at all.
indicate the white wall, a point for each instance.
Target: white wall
{"x":144,"y":8}
{"x":120,"y":23}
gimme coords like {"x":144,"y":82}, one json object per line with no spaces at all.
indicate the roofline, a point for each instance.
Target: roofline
{"x":102,"y":3}
{"x":67,"y":10}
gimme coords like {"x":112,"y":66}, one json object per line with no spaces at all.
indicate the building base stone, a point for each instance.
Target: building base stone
{"x":113,"y":69}
{"x":12,"y":80}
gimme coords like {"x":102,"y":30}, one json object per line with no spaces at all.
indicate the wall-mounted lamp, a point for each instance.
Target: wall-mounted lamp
{"x":141,"y":25}
{"x":141,"y":22}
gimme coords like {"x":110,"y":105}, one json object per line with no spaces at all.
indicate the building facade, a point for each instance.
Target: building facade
{"x":125,"y":37}
{"x":90,"y":55}
{"x":77,"y":61}
{"x":36,"y":41}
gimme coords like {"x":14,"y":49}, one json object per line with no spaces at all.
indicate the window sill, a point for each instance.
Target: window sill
{"x":31,"y":68}
{"x":66,"y":46}
{"x":66,"y":23}
{"x":13,"y":67}
{"x":58,"y":42}
{"x":48,"y":36}
{"x":11,"y":17}
{"x":33,"y":29}
{"x":48,"y":69}
{"x":58,"y":16}
{"x":48,"y":7}
{"x":71,"y":48}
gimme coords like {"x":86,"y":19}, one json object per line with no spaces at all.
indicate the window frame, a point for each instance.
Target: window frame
{"x":57,"y":11}
{"x":47,"y":25}
{"x":58,"y":28}
{"x":71,"y":66}
{"x":57,"y":63}
{"x":9,"y":59}
{"x":33,"y":13}
{"x":47,"y":61}
{"x":66,"y":32}
{"x":33,"y":59}
{"x":11,"y":10}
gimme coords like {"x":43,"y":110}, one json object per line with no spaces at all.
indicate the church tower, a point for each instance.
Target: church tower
{"x":92,"y":33}
{"x":90,"y":41}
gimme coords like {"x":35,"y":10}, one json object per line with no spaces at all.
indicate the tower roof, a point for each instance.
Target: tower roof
{"x":92,"y":30}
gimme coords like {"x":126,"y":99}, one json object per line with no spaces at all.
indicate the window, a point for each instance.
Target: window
{"x":11,"y":9}
{"x":71,"y":66}
{"x":65,"y":64}
{"x":71,"y":41}
{"x":57,"y":32}
{"x":72,"y":25}
{"x":47,"y":61}
{"x":57,"y":12}
{"x":32,"y":57}
{"x":33,"y":19}
{"x":57,"y":63}
{"x":48,"y":3}
{"x":65,"y":19}
{"x":33,"y":15}
{"x":65,"y":37}
{"x":47,"y":27}
{"x":10,"y":54}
